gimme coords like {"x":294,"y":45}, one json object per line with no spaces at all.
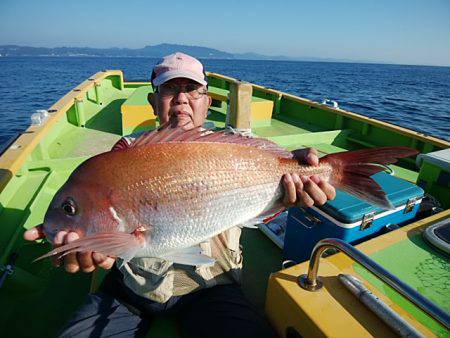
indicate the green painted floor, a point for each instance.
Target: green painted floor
{"x":423,"y":268}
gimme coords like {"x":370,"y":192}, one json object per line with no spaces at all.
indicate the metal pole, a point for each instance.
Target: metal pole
{"x":311,"y":282}
{"x":380,"y":308}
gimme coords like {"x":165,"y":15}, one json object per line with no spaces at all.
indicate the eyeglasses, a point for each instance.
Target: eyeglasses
{"x":193,"y":91}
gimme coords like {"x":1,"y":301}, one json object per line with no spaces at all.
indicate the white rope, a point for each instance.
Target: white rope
{"x":241,"y":131}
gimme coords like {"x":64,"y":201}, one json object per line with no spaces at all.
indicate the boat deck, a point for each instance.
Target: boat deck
{"x":85,"y":131}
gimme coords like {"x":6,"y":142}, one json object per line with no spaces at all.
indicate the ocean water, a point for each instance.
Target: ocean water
{"x":415,"y":97}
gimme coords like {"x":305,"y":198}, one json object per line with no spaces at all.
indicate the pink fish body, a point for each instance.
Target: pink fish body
{"x":171,"y":190}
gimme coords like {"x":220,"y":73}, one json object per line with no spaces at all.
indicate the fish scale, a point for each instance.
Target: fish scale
{"x":227,"y":194}
{"x":220,"y":180}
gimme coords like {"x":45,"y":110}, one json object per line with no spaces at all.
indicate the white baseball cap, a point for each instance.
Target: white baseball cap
{"x":178,"y":65}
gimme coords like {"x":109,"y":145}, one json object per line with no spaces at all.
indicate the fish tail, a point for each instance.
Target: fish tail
{"x":352,"y":171}
{"x":115,"y":244}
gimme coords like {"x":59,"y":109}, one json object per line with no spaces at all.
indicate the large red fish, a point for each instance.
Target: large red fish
{"x":172,"y":189}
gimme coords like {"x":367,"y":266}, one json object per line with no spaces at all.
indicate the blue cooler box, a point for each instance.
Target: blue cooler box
{"x":349,"y":218}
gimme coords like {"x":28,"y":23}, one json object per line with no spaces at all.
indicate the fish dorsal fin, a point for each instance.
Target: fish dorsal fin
{"x":123,"y":143}
{"x":169,"y":134}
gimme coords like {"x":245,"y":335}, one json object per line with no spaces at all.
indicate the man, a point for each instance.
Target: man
{"x":207,"y":299}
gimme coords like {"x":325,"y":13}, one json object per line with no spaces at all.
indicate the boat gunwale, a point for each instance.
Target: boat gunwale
{"x":12,"y":159}
{"x":386,"y":125}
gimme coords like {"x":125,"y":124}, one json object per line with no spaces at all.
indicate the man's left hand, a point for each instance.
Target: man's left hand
{"x":306,"y":191}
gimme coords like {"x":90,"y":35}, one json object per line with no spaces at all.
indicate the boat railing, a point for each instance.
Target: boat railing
{"x":312,"y":282}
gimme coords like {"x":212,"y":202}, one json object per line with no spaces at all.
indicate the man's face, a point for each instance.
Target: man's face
{"x":180,"y":107}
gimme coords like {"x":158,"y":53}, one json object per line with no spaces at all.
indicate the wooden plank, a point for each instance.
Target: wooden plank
{"x":240,"y":105}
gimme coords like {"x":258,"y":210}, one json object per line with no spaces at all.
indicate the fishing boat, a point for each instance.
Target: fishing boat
{"x":394,"y":281}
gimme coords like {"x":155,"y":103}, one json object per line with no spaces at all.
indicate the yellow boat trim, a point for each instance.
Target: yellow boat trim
{"x":138,"y":83}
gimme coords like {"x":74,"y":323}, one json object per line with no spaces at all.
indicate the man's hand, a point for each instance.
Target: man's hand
{"x":73,"y":262}
{"x":306,"y":191}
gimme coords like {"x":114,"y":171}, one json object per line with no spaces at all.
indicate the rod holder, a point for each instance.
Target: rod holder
{"x":79,"y":108}
{"x":98,"y":99}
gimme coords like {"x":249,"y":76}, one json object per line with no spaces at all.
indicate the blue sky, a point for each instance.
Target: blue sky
{"x":396,"y":31}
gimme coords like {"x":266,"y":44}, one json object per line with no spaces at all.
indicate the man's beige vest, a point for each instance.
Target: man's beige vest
{"x":158,"y":280}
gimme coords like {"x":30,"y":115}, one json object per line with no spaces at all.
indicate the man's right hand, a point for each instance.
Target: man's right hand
{"x":73,"y":262}
{"x":305,"y":191}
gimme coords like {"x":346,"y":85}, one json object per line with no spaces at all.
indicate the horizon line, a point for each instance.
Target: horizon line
{"x":275,"y":57}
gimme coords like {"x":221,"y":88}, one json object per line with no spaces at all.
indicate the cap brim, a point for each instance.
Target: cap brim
{"x":173,"y":74}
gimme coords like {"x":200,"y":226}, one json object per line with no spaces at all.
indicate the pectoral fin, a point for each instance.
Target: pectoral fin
{"x":115,"y":244}
{"x":189,"y":256}
{"x":265,"y":217}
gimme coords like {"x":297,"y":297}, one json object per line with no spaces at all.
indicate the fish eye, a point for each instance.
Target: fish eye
{"x":69,"y":207}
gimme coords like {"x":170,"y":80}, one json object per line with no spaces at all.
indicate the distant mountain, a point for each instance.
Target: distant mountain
{"x":196,"y":51}
{"x":148,"y":51}
{"x":156,"y":51}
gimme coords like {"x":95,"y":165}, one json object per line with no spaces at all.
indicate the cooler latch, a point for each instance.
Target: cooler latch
{"x":313,"y":220}
{"x":367,"y":220}
{"x":410,"y":204}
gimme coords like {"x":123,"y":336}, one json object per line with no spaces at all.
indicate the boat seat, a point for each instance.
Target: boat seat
{"x":137,"y":113}
{"x":434,"y":175}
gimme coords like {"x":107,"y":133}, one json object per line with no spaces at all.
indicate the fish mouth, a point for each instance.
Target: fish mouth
{"x":48,"y":230}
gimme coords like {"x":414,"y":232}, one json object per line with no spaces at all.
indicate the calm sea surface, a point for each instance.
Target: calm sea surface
{"x":416,"y":97}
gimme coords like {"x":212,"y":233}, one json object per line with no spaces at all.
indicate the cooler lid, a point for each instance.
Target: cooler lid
{"x":348,"y":208}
